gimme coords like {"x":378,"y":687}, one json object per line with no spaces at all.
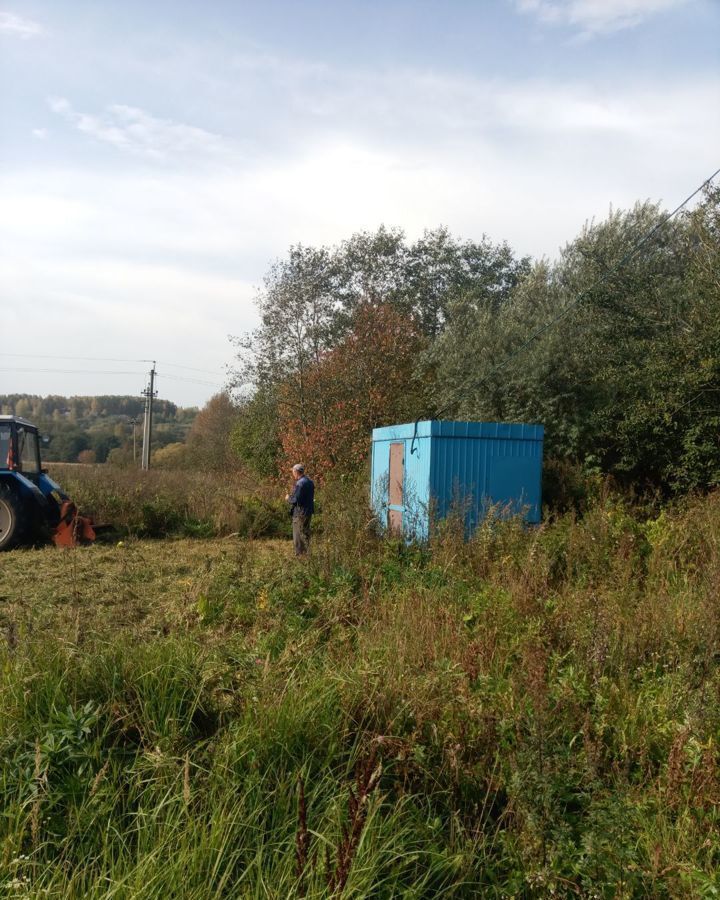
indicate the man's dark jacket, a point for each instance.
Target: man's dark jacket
{"x":302,"y":499}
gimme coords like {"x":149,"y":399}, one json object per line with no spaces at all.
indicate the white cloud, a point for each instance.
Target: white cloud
{"x":287,"y":68}
{"x":137,"y":132}
{"x":40,"y":133}
{"x":135,"y":263}
{"x":524,"y":162}
{"x":593,"y":17}
{"x":19,"y":26}
{"x":479,"y":157}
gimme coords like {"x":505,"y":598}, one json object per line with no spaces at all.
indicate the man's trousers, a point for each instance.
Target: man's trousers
{"x":301,"y":533}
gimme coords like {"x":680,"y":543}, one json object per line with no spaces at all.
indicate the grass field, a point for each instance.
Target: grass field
{"x":530,"y":714}
{"x":178,"y":502}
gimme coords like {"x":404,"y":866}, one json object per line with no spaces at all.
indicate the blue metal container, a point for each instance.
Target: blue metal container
{"x":422,"y":471}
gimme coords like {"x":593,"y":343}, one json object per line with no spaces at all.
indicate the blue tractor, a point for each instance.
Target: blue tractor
{"x":32,"y":505}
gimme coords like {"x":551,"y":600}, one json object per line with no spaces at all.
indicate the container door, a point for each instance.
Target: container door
{"x":395,"y":498}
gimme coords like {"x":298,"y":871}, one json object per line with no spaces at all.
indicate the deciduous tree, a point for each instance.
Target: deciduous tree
{"x":369,"y":379}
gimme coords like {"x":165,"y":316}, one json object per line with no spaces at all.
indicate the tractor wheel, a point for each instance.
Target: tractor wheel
{"x":13,"y":518}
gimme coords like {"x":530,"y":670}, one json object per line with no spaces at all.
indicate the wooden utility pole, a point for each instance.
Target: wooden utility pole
{"x":149,"y":393}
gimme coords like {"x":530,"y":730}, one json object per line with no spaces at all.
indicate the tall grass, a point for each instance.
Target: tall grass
{"x":161,"y":502}
{"x":531,"y":713}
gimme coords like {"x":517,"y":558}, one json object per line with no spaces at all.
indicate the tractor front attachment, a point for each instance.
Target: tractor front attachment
{"x":73,"y":529}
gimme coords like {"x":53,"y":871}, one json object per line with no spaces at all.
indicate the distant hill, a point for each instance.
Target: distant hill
{"x":89,"y":428}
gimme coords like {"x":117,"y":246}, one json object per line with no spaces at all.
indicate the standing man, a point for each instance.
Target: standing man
{"x":302,"y":506}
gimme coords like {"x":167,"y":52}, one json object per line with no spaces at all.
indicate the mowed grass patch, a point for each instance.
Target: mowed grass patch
{"x":134,"y":587}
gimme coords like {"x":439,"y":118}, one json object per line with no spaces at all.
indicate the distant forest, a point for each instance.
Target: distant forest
{"x":91,"y":429}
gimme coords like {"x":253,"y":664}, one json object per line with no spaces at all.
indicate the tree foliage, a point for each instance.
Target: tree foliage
{"x":368,"y":379}
{"x":255,"y":436}
{"x":614,"y":347}
{"x":626,"y":382}
{"x":208,"y":441}
{"x":322,"y":311}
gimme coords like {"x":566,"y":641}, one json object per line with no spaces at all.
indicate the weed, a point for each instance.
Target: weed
{"x":546,"y":703}
{"x":367,"y":780}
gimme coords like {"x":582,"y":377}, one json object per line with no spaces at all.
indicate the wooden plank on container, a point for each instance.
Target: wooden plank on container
{"x":397,"y":466}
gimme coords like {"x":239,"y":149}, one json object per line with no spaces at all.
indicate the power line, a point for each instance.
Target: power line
{"x":73,"y":358}
{"x":105,"y":372}
{"x":108,"y":359}
{"x":72,"y":371}
{"x":605,"y":277}
{"x":191,"y":380}
{"x":189,"y":368}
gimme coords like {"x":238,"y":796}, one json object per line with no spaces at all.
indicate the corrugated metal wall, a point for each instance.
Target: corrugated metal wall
{"x":469,"y":466}
{"x":474,"y":474}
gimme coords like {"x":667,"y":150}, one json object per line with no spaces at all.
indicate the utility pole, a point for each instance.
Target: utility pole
{"x":149,"y":394}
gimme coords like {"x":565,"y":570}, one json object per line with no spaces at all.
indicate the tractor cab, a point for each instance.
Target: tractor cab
{"x":19,"y":447}
{"x":32,"y":505}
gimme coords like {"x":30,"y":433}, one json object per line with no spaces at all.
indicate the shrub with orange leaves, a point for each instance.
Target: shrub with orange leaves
{"x":371,"y":378}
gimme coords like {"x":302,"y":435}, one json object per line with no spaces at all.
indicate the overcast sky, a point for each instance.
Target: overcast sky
{"x":156,"y":157}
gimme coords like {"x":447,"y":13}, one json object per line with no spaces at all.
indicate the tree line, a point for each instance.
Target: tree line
{"x":379,"y":329}
{"x":99,"y":428}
